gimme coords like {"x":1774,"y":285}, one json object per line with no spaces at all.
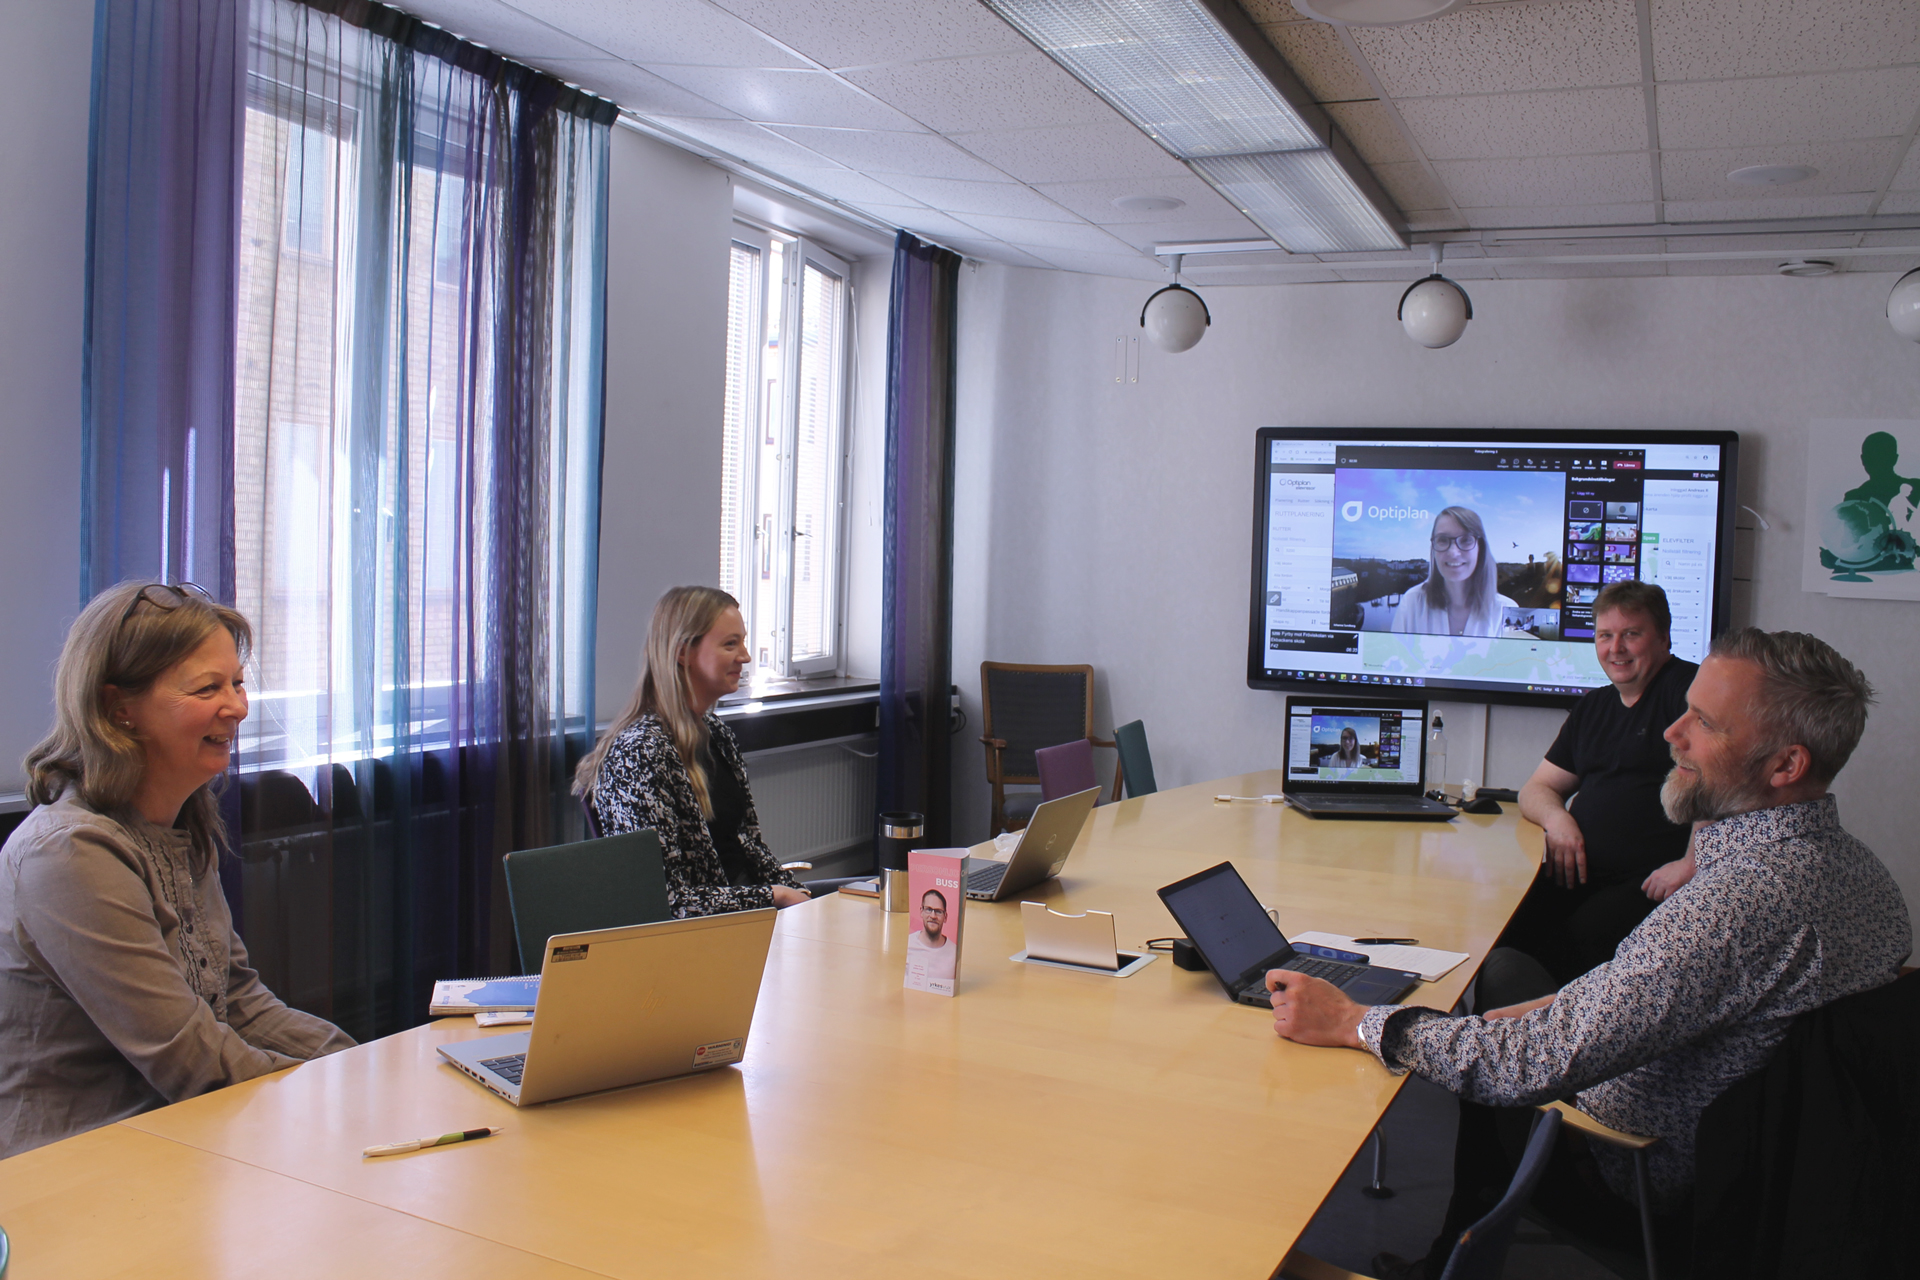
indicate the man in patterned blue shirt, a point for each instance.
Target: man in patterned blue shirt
{"x":1786,"y":912}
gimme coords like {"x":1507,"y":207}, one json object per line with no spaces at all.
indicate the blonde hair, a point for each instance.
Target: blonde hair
{"x":123,"y":640}
{"x":1483,"y":584}
{"x":682,"y":616}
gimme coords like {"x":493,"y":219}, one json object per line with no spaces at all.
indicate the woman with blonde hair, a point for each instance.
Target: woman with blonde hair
{"x":670,"y":765}
{"x":123,"y":986}
{"x":1461,"y":594}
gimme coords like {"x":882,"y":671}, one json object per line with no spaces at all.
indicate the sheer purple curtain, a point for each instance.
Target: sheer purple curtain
{"x":156,"y":500}
{"x":916,"y":638}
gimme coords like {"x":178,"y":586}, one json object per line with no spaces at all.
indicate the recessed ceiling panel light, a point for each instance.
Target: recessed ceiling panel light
{"x":1148,"y":204}
{"x":1374,"y":13}
{"x":1301,"y":198}
{"x":1772,"y":175}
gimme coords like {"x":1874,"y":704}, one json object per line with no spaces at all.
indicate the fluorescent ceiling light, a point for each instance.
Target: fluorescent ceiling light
{"x":1184,"y":79}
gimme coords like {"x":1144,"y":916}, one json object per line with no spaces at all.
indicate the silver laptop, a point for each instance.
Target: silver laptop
{"x":1358,"y":758}
{"x":625,"y":1006}
{"x":1042,"y":851}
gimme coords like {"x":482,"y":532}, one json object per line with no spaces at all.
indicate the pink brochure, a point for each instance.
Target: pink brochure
{"x":935,"y":904}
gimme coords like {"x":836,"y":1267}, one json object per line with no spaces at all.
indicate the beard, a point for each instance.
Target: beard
{"x":1705,"y":800}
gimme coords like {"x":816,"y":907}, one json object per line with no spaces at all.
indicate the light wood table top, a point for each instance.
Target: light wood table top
{"x":1042,"y":1123}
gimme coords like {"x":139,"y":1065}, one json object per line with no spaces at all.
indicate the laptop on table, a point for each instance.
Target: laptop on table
{"x":1042,"y":851}
{"x":1358,"y":758}
{"x":629,"y":1005}
{"x":1239,"y":941}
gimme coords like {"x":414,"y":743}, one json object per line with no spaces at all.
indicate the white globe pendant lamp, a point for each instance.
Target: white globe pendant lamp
{"x":1903,"y":306}
{"x":1175,"y":317}
{"x":1434,"y":311}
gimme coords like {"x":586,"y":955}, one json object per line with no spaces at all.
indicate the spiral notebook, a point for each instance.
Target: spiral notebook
{"x":484,"y":995}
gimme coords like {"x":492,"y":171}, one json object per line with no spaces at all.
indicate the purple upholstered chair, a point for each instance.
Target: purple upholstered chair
{"x":1065,"y":769}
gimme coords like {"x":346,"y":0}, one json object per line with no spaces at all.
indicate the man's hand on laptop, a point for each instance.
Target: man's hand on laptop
{"x":1313,"y":1010}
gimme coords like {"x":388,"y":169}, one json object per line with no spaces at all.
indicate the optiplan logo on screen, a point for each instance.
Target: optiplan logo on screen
{"x":1352,"y":511}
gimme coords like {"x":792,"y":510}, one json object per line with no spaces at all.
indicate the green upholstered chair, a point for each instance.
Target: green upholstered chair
{"x":594,"y":884}
{"x":1136,"y":762}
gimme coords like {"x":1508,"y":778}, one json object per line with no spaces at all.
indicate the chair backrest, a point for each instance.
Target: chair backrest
{"x":1481,"y":1251}
{"x":1029,"y":707}
{"x":595,"y":884}
{"x":1065,"y":769}
{"x":1136,"y":762}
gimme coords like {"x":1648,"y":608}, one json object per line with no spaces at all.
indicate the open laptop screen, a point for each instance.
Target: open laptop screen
{"x":1226,"y":922}
{"x":1342,"y":742}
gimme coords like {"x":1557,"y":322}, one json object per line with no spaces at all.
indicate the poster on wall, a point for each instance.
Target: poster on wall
{"x":1863,"y":488}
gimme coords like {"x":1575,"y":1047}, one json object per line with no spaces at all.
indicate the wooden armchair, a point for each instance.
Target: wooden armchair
{"x":1024,"y":707}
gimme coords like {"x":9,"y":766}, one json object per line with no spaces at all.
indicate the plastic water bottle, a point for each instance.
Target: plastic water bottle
{"x":1437,"y":756}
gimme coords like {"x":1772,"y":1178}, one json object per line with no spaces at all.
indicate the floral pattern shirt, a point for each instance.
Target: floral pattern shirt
{"x":644,"y":785}
{"x":1786,"y":912}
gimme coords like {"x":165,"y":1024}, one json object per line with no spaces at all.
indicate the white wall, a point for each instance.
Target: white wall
{"x":1111,"y":523}
{"x":45,"y":70}
{"x":671,"y":217}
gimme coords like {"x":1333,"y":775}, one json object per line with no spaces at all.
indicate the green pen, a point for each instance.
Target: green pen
{"x":421,"y":1144}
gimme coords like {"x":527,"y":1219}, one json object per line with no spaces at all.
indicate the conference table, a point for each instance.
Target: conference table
{"x":1040,"y":1123}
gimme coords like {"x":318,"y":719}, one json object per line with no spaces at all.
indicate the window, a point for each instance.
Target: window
{"x":783,"y":470}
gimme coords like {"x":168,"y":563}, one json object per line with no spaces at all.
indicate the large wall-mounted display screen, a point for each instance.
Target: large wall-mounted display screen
{"x":1466,"y":563}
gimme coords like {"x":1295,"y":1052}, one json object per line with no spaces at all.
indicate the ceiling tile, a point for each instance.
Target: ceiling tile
{"x":1388,"y":275}
{"x":504,"y":29}
{"x":1746,"y":113}
{"x":1568,"y":123}
{"x":1722,"y":267}
{"x":1551,"y":44}
{"x":1908,"y":178}
{"x":1548,"y":180}
{"x":1434,"y":220}
{"x":1710,"y":39}
{"x":1073,"y":153}
{"x":1268,"y":12}
{"x":697,"y":34}
{"x":748,"y":142}
{"x":1006,"y":199}
{"x":1039,"y":237}
{"x":788,"y":97}
{"x":1857,"y":165}
{"x":1094,"y":200}
{"x":922,"y":221}
{"x":1314,"y":52}
{"x":852,"y":33}
{"x":1893,"y":264}
{"x":1145,"y":235}
{"x":1843,"y":206}
{"x":1584,"y":215}
{"x":1124,"y":266}
{"x":1584,"y":246}
{"x":638,"y":90}
{"x":1783,"y":244}
{"x":846,"y":185}
{"x":880,"y":153}
{"x":991,"y":91}
{"x":1370,"y":127}
{"x":988,"y":250}
{"x":1410,"y":185}
{"x":1209,"y":277}
{"x":1900,"y":202}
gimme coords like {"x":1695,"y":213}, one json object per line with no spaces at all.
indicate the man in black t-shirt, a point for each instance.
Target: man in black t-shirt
{"x":1611,"y":855}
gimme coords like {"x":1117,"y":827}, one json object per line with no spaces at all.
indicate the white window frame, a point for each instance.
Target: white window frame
{"x":769,"y":547}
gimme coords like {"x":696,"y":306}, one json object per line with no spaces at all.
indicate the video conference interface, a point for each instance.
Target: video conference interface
{"x":1354,"y":744}
{"x":1476,"y":565}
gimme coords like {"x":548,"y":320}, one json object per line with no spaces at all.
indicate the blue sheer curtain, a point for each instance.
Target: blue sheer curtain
{"x":916,"y":637}
{"x":156,"y":501}
{"x":414,"y":301}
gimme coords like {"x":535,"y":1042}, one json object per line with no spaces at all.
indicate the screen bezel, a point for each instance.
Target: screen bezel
{"x":1443,"y":691}
{"x":1335,"y":696}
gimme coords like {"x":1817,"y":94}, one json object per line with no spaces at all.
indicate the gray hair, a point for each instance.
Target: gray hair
{"x":1809,"y":695}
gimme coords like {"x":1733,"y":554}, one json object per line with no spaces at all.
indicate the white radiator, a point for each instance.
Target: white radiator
{"x":815,"y":799}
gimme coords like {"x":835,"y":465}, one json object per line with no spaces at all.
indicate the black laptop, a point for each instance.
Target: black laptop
{"x":1240,"y":942}
{"x":1358,"y":758}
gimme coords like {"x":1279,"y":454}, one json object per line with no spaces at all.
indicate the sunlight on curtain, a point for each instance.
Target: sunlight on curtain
{"x":417,"y":443}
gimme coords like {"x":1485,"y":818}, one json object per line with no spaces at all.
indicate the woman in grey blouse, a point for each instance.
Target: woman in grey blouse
{"x":123,"y":986}
{"x":669,"y":765}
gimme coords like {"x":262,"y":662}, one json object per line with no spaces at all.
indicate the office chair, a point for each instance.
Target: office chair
{"x":1065,"y":769}
{"x":1024,"y":707}
{"x":595,"y":884}
{"x":1481,"y":1252}
{"x":1136,"y":762}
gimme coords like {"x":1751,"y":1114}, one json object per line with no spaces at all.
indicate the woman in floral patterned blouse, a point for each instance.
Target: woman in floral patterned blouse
{"x":670,"y":765}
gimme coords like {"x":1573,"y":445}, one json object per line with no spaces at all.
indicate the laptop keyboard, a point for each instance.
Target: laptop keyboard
{"x":507,"y":1068}
{"x":987,"y":878}
{"x":1361,"y":802}
{"x":1333,"y":971}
